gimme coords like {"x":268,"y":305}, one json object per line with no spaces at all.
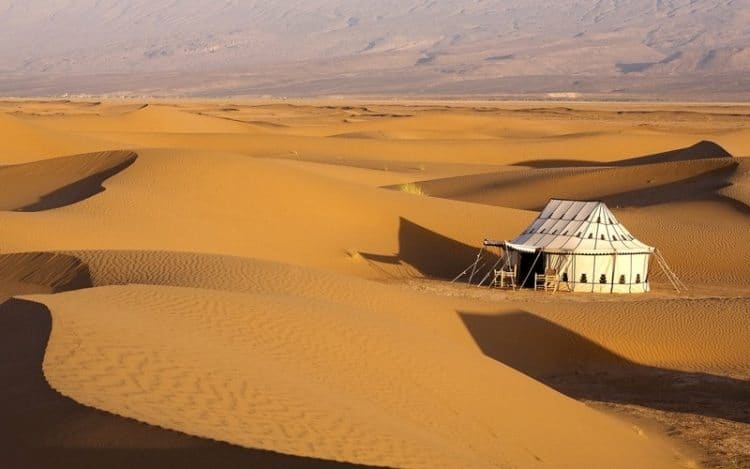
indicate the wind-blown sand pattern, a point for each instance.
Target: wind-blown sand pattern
{"x":258,"y":283}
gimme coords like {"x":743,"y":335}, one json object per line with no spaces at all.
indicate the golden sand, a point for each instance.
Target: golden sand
{"x":269,"y":276}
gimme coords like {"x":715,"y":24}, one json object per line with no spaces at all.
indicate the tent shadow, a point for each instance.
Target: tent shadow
{"x":580,"y":368}
{"x":430,"y":253}
{"x":42,"y":428}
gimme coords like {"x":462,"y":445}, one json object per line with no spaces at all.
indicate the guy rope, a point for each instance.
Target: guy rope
{"x":472,"y":267}
{"x":676,"y":282}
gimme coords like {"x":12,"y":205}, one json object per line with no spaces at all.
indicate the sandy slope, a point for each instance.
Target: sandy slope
{"x":230,"y":254}
{"x":168,"y":200}
{"x":42,"y":428}
{"x":60,"y":181}
{"x":706,"y":335}
{"x":25,"y":142}
{"x":327,"y":380}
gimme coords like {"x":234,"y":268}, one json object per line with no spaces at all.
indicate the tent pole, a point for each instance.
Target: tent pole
{"x":531,"y":269}
{"x":630,"y":275}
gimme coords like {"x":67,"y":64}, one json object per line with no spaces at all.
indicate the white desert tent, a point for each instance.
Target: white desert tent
{"x":585,"y":246}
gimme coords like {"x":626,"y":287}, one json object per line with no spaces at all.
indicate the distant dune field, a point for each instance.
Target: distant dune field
{"x":266,"y":283}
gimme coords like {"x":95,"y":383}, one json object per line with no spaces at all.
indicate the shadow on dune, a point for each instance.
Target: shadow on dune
{"x":41,"y":272}
{"x":77,"y":191}
{"x":42,"y":428}
{"x":431,"y":254}
{"x":532,"y":190}
{"x":703,"y":187}
{"x":583,"y":369}
{"x":54,"y":183}
{"x":702,"y":150}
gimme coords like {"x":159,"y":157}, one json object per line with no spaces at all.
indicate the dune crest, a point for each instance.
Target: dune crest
{"x":28,"y":142}
{"x":58,"y":182}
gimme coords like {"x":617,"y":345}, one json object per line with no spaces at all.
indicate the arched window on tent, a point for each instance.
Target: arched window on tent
{"x":591,"y":235}
{"x":584,"y":278}
{"x":622,"y":279}
{"x":603,"y":278}
{"x":637,"y":278}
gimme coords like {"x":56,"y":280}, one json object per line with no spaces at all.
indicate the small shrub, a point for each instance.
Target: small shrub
{"x":412,"y":188}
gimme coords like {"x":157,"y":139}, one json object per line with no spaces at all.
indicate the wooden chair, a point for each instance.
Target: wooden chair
{"x":505,"y":277}
{"x":547,"y":281}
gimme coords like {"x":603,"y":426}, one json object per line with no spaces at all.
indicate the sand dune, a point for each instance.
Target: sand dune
{"x":243,"y":275}
{"x":27,"y":142}
{"x":635,"y":185}
{"x":690,"y":339}
{"x":739,"y":189}
{"x":41,"y":273}
{"x":167,"y":200}
{"x":58,"y":182}
{"x":42,"y":428}
{"x":146,"y":119}
{"x":699,"y":151}
{"x":430,"y":133}
{"x":277,"y":401}
{"x":692,"y":335}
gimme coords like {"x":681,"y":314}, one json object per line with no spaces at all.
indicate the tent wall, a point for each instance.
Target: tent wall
{"x":600,"y":273}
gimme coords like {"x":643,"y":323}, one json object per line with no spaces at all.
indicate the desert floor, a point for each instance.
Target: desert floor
{"x":268,"y":283}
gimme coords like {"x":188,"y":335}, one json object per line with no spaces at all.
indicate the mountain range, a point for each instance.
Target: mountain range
{"x":678,"y":49}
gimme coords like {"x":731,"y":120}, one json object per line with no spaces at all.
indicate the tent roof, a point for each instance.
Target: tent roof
{"x":582,"y":227}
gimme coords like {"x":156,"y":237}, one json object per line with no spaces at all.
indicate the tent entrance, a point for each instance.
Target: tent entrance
{"x":529,"y":264}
